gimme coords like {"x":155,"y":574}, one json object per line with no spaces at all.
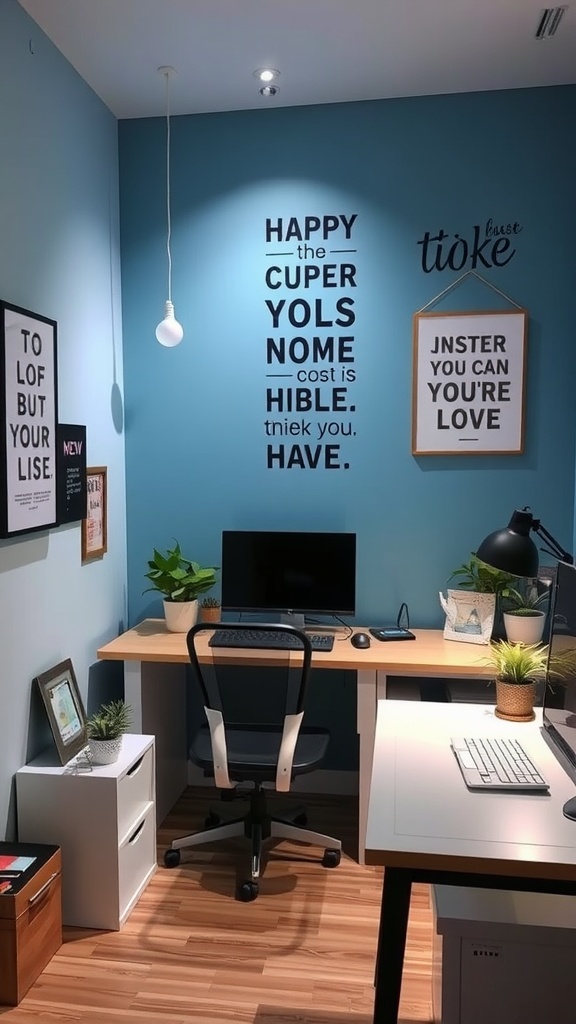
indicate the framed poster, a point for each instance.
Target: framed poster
{"x":63,"y":703}
{"x":71,"y":469}
{"x":468,"y":383}
{"x":95,"y":525}
{"x":28,"y":417}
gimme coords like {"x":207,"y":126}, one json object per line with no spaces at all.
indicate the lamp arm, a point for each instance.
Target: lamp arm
{"x":556,"y":550}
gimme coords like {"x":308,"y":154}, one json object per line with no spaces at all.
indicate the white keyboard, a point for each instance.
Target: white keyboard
{"x":494,"y":762}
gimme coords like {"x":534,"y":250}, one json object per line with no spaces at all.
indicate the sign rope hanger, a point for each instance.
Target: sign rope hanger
{"x":468,"y":273}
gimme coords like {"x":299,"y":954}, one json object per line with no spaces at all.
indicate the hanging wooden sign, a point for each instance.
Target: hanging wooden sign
{"x":468,"y":383}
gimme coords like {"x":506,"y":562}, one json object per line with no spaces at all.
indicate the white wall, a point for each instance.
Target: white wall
{"x":59,"y":257}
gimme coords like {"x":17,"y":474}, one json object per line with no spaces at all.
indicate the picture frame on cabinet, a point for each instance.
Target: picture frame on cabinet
{"x":95,"y":526}
{"x":65,"y":710}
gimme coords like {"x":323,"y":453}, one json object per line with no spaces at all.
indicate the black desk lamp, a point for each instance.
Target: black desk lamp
{"x":514,"y":551}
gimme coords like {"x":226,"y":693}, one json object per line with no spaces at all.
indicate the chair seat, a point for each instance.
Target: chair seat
{"x":253,"y":749}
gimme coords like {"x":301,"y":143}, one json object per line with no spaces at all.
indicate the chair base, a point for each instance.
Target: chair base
{"x":258,"y":826}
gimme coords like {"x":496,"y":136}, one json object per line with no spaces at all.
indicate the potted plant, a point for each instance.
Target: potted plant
{"x":210,"y":609}
{"x":471,"y":609}
{"x":181,"y":581}
{"x":518,"y":666}
{"x":523,"y":618}
{"x":105,"y":730}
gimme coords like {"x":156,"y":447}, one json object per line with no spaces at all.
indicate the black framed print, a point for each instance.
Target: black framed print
{"x":65,"y":710}
{"x":28,"y":418}
{"x":71,"y":467}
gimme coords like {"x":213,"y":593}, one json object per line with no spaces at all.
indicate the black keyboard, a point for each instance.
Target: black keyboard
{"x":268,"y":639}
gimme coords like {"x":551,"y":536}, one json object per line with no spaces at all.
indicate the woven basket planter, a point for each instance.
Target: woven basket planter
{"x":515,"y":701}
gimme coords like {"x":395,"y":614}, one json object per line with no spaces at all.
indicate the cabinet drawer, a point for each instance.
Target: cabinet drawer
{"x":135,"y":791}
{"x":136,"y":861}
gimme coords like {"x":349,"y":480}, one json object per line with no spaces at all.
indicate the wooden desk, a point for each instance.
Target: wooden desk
{"x":153,"y":663}
{"x":424,"y":825}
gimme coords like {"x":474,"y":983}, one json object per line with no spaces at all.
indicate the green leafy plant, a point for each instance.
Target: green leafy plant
{"x":525,"y":602}
{"x":110,"y":721}
{"x":517,"y":663}
{"x":210,"y":602}
{"x":476,"y":575}
{"x":178,"y":578}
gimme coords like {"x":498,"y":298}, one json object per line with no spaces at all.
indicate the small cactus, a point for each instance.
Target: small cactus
{"x":210,"y":602}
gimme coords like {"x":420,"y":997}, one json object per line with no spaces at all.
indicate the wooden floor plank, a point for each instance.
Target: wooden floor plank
{"x":190,"y":953}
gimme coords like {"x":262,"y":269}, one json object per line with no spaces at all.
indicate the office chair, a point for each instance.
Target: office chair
{"x":256,"y":738}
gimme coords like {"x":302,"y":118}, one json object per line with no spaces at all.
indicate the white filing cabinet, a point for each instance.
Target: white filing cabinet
{"x":103,"y":818}
{"x":503,"y":957}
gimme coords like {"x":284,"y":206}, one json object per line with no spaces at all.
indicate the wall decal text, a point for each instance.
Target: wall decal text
{"x":309,"y":375}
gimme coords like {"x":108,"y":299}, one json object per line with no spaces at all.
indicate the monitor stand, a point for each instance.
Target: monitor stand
{"x":293,"y":619}
{"x":299,"y":621}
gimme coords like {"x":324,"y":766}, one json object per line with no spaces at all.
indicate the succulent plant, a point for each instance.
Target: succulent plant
{"x":110,"y":721}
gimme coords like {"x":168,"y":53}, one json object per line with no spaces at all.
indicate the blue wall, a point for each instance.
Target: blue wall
{"x":195,"y":436}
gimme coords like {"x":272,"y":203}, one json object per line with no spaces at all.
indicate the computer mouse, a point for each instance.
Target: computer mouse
{"x":360,"y":640}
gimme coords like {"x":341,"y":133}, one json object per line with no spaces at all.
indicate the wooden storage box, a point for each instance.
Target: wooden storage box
{"x":30,"y":920}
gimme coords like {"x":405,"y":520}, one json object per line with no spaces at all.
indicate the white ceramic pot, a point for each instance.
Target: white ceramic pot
{"x":525,"y":629}
{"x":105,"y":751}
{"x":180,"y":615}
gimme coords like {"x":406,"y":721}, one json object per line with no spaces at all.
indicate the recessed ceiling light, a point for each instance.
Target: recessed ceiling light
{"x":266,"y":74}
{"x":269,"y":90}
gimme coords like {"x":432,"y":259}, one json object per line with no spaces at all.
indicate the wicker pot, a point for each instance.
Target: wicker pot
{"x":515,"y":701}
{"x":210,"y":614}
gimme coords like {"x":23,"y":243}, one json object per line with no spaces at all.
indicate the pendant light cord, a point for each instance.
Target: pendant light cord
{"x":168,"y":214}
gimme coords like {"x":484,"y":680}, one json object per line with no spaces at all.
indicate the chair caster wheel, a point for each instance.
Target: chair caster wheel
{"x":331,"y":859}
{"x":172,"y":858}
{"x":211,"y":820}
{"x":248,"y":891}
{"x":301,"y":819}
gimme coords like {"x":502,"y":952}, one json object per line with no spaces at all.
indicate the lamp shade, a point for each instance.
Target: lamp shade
{"x":512,"y":549}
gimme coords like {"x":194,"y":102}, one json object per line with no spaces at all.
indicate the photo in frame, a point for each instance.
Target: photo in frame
{"x":61,"y":696}
{"x":95,"y":526}
{"x":29,"y":404}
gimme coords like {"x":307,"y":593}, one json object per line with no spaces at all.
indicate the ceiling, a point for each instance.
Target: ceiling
{"x":327,"y":51}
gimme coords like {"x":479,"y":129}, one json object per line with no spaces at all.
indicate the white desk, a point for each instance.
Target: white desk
{"x":154,"y":680}
{"x":426,"y":826}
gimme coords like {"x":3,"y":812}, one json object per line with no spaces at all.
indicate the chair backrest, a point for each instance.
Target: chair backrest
{"x":256,"y":688}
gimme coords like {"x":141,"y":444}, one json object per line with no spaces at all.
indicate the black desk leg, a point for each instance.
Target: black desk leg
{"x":391,"y":944}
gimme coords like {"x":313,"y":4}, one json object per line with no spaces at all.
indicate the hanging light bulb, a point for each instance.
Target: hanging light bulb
{"x":169,"y":332}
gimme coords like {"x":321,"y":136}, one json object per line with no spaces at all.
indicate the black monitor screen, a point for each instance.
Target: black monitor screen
{"x":299,"y":572}
{"x":559,"y":715}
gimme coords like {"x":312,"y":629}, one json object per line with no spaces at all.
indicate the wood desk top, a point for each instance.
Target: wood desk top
{"x":421,"y":815}
{"x":430,"y":654}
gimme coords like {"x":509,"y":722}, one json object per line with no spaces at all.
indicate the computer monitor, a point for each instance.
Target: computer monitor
{"x":292,"y":574}
{"x":559,"y":711}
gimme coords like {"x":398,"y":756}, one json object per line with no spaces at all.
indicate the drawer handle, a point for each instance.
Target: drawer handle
{"x":136,"y":767}
{"x":34,"y":899}
{"x":134,"y":838}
